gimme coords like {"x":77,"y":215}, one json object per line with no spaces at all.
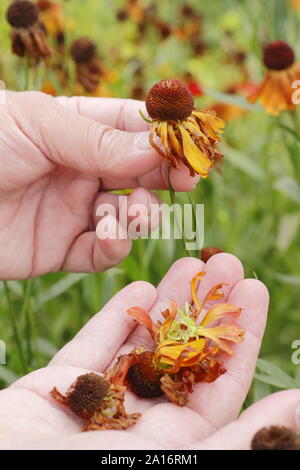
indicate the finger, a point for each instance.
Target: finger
{"x":122,"y":114}
{"x":91,"y":254}
{"x":168,"y":290}
{"x":221,"y":268}
{"x":78,"y":142}
{"x":96,"y":344}
{"x":278,"y":409}
{"x":157,"y":179}
{"x":221,"y":401}
{"x":125,"y":207}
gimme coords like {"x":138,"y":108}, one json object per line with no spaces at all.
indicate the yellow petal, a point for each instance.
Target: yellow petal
{"x":198,"y":161}
{"x":169,"y":351}
{"x":174,"y":141}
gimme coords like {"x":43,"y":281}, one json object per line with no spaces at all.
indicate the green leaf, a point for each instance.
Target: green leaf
{"x":58,"y":288}
{"x":290,"y":131}
{"x":7,"y":376}
{"x":244,"y":163}
{"x":273,"y":375}
{"x":290,"y":187}
{"x":235,"y":100}
{"x":288,"y":279}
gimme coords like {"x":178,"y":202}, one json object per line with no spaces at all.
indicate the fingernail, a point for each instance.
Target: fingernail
{"x":142,"y":142}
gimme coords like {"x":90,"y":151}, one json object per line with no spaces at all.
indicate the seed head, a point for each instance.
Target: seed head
{"x":278,"y":56}
{"x":275,"y":438}
{"x":83,"y":50}
{"x":85,"y":396}
{"x":208,"y":252}
{"x":143,"y":379}
{"x":22,"y":14}
{"x":169,"y":100}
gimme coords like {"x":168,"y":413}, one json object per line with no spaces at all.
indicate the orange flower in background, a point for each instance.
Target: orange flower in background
{"x":186,"y":134}
{"x":275,"y":92}
{"x":193,"y":85}
{"x":49,"y":88}
{"x":52,"y":15}
{"x":295,"y":4}
{"x":186,"y":349}
{"x":28,"y":31}
{"x":229,"y":112}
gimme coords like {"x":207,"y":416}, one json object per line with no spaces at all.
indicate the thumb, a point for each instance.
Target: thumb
{"x":69,"y":139}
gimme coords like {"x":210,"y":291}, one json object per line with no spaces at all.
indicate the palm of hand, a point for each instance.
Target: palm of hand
{"x":42,"y":423}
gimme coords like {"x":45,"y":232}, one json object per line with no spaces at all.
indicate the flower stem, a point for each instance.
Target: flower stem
{"x":15,"y":327}
{"x":173,"y":201}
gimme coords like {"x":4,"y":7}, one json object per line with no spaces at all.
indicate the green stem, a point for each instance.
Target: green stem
{"x":15,"y":327}
{"x":25,"y":315}
{"x":173,"y":201}
{"x":27,"y":74}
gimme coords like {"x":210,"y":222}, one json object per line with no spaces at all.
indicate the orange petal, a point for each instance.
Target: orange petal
{"x":143,"y":318}
{"x":221,"y":334}
{"x":194,"y":285}
{"x":218,"y":311}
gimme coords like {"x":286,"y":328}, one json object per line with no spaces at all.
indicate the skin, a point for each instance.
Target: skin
{"x":59,"y":158}
{"x":211,"y":419}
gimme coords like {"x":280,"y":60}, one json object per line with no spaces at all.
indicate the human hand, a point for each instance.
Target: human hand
{"x":29,"y":418}
{"x":59,"y":158}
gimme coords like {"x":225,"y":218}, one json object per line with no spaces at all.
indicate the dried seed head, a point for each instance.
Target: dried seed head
{"x":83,"y":50}
{"x":278,"y":56}
{"x":143,"y":379}
{"x":122,"y":15}
{"x":169,"y":100}
{"x":275,"y":438}
{"x":187,"y":11}
{"x":86,"y":394}
{"x":208,"y":252}
{"x":22,"y":14}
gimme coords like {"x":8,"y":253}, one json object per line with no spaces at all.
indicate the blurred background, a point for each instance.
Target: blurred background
{"x":252,"y":200}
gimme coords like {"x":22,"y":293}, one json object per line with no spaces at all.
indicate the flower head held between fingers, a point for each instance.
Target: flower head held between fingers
{"x":275,"y":92}
{"x":186,"y":134}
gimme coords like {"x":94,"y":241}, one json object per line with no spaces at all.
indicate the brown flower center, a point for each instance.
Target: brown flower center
{"x":278,"y":56}
{"x":169,"y":100}
{"x":83,"y":50}
{"x":86,"y":394}
{"x":142,"y":379}
{"x":22,"y":14}
{"x":275,"y":438}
